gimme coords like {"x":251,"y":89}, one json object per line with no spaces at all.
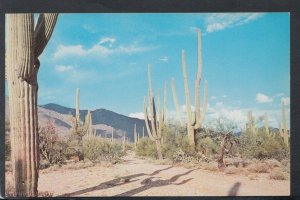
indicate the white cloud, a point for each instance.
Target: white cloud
{"x":138,"y":115}
{"x":107,"y":40}
{"x":262,"y":98}
{"x":164,"y":59}
{"x":99,"y":49}
{"x":213,"y":97}
{"x":63,"y":68}
{"x":224,"y":96}
{"x":221,"y":21}
{"x":279,"y":95}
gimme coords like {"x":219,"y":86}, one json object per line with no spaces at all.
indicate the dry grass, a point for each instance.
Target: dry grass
{"x":278,"y":174}
{"x":272,"y":163}
{"x":258,"y":168}
{"x":252,"y":176}
{"x":232,"y":170}
{"x":211,"y":166}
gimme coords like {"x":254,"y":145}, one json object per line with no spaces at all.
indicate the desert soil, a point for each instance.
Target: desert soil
{"x":138,"y":177}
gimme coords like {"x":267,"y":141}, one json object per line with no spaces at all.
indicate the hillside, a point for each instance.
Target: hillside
{"x":104,"y":117}
{"x":103,"y":120}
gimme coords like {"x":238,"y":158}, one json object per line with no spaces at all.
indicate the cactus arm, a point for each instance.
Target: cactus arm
{"x":186,"y":88}
{"x":147,"y":120}
{"x":202,"y":116}
{"x":165,"y":102}
{"x":43,"y":31}
{"x":25,"y":42}
{"x":152,"y":106}
{"x":175,"y":99}
{"x":266,"y":122}
{"x":197,"y":81}
{"x":77,"y":105}
{"x":158,"y":104}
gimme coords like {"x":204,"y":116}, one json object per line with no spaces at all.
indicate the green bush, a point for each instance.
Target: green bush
{"x":259,"y":145}
{"x":100,"y":149}
{"x":146,"y":147}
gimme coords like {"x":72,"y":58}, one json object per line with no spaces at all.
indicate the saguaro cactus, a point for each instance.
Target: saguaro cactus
{"x":251,"y":122}
{"x":112,"y":134}
{"x":77,"y":106}
{"x":124,"y":142}
{"x":284,"y":129}
{"x":135,"y":136}
{"x":24,"y":46}
{"x":175,"y":99}
{"x":153,"y":126}
{"x":194,"y":120}
{"x":266,"y":123}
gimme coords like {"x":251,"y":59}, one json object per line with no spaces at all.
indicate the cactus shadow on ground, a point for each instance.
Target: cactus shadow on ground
{"x":113,"y":183}
{"x":234,"y":189}
{"x":149,"y":183}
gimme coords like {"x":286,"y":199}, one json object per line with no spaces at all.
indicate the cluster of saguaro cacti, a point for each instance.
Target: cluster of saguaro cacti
{"x":25,"y":43}
{"x":78,"y":129}
{"x":194,"y":120}
{"x":90,"y":132}
{"x":284,"y":131}
{"x":154,"y":125}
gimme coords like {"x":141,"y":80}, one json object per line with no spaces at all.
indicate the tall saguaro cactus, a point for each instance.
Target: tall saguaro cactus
{"x":266,"y":123}
{"x":194,"y":120}
{"x":175,"y":99}
{"x":25,"y":44}
{"x":284,"y":126}
{"x":153,"y":126}
{"x":77,"y":106}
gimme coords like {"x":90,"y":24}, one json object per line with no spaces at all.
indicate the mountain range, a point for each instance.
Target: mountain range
{"x":103,"y":121}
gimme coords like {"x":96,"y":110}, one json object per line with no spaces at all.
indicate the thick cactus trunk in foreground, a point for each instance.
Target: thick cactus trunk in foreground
{"x":24,"y":45}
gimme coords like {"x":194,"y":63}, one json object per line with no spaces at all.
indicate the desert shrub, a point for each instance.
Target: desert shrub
{"x":146,"y":147}
{"x":99,"y":149}
{"x":262,"y":146}
{"x":231,"y":170}
{"x":278,"y":174}
{"x":272,"y":163}
{"x":51,"y":147}
{"x":207,"y":146}
{"x":259,"y":167}
{"x":211,"y":166}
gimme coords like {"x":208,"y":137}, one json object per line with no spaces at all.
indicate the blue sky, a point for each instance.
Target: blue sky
{"x":246,"y":61}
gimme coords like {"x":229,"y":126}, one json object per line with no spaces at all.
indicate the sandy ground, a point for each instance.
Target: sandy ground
{"x":137,"y":177}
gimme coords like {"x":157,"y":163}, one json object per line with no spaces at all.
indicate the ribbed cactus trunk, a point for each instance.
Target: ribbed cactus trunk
{"x":153,"y":126}
{"x":196,"y":119}
{"x":266,"y":123}
{"x":78,"y":106}
{"x":25,"y":45}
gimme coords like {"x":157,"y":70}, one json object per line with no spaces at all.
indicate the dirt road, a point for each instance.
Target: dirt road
{"x":137,"y":177}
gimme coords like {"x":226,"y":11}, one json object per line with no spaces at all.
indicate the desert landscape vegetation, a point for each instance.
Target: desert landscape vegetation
{"x":53,"y":150}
